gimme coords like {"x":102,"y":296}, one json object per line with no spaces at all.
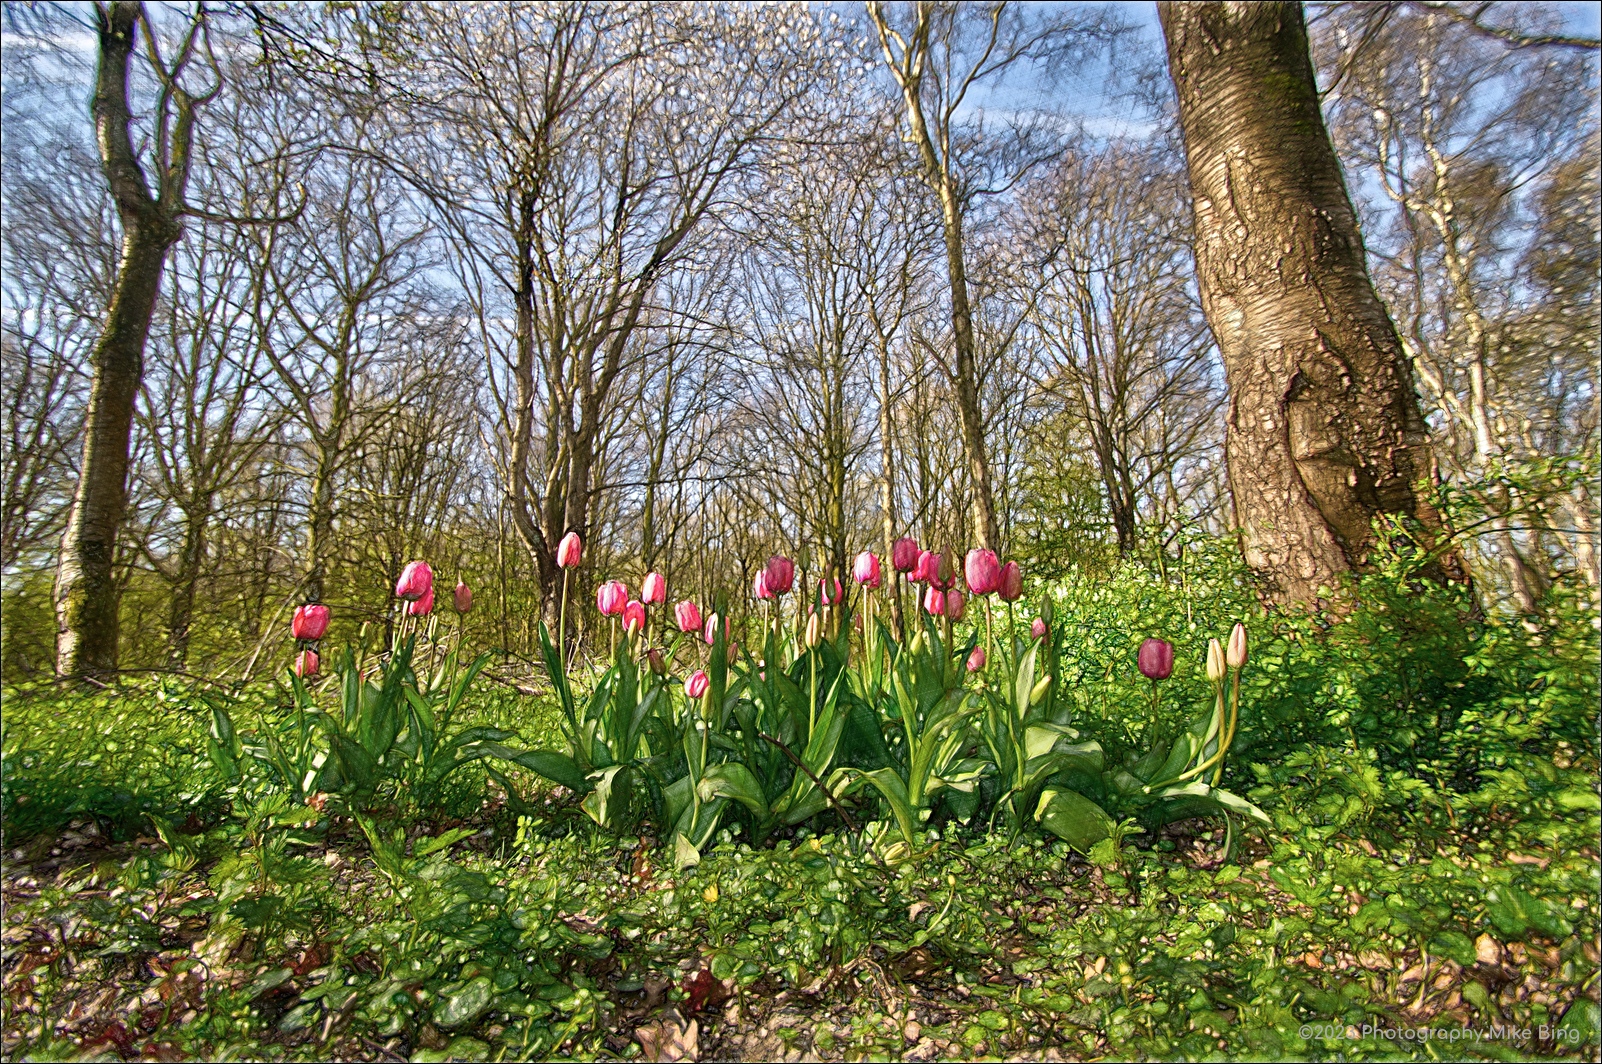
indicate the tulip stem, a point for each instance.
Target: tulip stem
{"x":561,"y":626}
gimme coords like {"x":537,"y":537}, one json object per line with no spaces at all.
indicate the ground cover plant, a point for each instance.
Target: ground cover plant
{"x":832,"y":844}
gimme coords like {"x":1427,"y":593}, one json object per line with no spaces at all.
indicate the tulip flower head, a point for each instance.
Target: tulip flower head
{"x":934,"y":601}
{"x":1235,"y":657}
{"x":830,"y":591}
{"x":697,"y":685}
{"x":779,"y":575}
{"x":1156,"y":659}
{"x":976,"y":660}
{"x":416,"y":580}
{"x":611,"y":597}
{"x":657,"y":662}
{"x":633,"y":616}
{"x":866,"y":570}
{"x":982,"y":570}
{"x":927,"y":569}
{"x":814,"y":631}
{"x":306,"y":663}
{"x":570,"y":551}
{"x":1038,"y":629}
{"x":654,"y":590}
{"x":956,"y":604}
{"x":463,"y":596}
{"x":732,"y":654}
{"x":688,"y":614}
{"x":710,"y":632}
{"x":1215,"y":661}
{"x":1011,"y":588}
{"x":945,"y":573}
{"x":904,"y":555}
{"x":423,"y":606}
{"x":310,"y":621}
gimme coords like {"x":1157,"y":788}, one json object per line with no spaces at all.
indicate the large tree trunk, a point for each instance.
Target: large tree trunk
{"x":86,"y":594}
{"x":1325,"y":432}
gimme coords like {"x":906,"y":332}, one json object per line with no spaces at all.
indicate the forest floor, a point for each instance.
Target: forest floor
{"x":1314,"y":944}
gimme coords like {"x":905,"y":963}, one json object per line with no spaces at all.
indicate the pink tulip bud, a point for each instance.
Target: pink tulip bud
{"x":904,"y":555}
{"x":759,"y":586}
{"x":654,"y":590}
{"x":1038,"y":629}
{"x":710,"y":632}
{"x":945,"y":573}
{"x":830,"y":591}
{"x":416,"y":580}
{"x":423,"y":606}
{"x":1156,"y":659}
{"x":570,"y":551}
{"x":611,"y":597}
{"x":934,"y":601}
{"x":779,"y":574}
{"x":306,"y":663}
{"x":688,"y":615}
{"x":697,"y":685}
{"x":732,"y":654}
{"x":657,"y":661}
{"x":982,"y":570}
{"x":866,"y":570}
{"x":463,"y":596}
{"x":956,"y":604}
{"x":927,"y":568}
{"x":310,"y":621}
{"x":1236,"y":658}
{"x":814,"y":632}
{"x":976,"y":660}
{"x":1011,"y":587}
{"x":633,"y":616}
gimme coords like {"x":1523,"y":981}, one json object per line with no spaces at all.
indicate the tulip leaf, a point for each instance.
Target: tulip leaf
{"x":1073,"y":818}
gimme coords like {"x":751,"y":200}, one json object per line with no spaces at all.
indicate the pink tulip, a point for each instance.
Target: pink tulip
{"x":688,"y":615}
{"x":866,"y":570}
{"x":306,"y":663}
{"x":697,"y":685}
{"x":654,"y":590}
{"x":1011,"y":587}
{"x":976,"y":660}
{"x":423,"y":606}
{"x":1236,"y":654}
{"x":1038,"y":629}
{"x":416,"y":580}
{"x":657,"y":661}
{"x":310,"y":621}
{"x":927,"y":569}
{"x":904,"y":555}
{"x":945,"y":573}
{"x":732,"y":654}
{"x":759,"y":586}
{"x":611,"y":597}
{"x":934,"y":601}
{"x":824,"y":590}
{"x":633,"y":616}
{"x":463,"y":596}
{"x":1156,"y":659}
{"x":779,"y":574}
{"x":956,"y":605}
{"x":982,"y":570}
{"x":570,"y":551}
{"x":710,"y":632}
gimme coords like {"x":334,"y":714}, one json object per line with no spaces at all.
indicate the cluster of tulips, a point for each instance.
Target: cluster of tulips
{"x":414,"y":593}
{"x":828,"y":707}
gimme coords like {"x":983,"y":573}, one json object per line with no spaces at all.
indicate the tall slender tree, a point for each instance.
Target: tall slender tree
{"x":86,"y":594}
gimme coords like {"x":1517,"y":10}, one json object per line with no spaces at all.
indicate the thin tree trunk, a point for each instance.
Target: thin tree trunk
{"x":1324,"y":428}
{"x":86,"y":593}
{"x":181,"y":604}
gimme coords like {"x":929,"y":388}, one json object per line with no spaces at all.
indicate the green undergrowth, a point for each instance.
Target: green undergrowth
{"x":1432,"y":867}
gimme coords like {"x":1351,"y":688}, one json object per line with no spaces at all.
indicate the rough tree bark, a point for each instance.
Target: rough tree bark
{"x":86,"y":595}
{"x":1324,"y":428}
